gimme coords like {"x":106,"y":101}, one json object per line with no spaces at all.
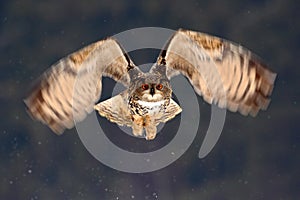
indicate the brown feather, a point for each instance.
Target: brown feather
{"x":222,"y":72}
{"x":66,"y":93}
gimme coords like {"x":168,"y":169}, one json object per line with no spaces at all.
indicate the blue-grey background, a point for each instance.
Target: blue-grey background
{"x":255,"y":158}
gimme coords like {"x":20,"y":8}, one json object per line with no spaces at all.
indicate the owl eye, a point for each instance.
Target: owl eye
{"x":145,"y":86}
{"x":159,"y":86}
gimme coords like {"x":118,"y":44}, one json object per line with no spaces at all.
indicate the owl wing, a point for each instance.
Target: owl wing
{"x":117,"y":114}
{"x":220,"y":71}
{"x":66,"y":93}
{"x":170,"y":112}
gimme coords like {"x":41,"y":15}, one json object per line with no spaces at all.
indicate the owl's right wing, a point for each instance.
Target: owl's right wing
{"x":220,"y":71}
{"x":67,"y":92}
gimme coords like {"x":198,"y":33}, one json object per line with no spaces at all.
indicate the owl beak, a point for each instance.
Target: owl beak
{"x":152,"y":90}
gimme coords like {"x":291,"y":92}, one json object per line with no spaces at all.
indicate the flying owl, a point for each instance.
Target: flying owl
{"x":69,"y":90}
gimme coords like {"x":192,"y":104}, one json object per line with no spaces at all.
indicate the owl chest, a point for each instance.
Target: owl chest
{"x":143,"y":108}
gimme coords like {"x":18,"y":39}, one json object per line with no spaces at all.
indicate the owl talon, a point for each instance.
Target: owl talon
{"x":137,"y":125}
{"x":137,"y":130}
{"x":150,"y":132}
{"x":150,"y":137}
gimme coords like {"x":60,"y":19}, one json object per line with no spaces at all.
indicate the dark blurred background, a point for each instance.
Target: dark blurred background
{"x":255,"y":158}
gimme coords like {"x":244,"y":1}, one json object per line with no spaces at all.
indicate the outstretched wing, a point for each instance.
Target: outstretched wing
{"x":68,"y":90}
{"x":222,"y":72}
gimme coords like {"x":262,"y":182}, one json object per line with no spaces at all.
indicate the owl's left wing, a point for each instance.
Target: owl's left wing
{"x":68,"y":90}
{"x":222,"y":72}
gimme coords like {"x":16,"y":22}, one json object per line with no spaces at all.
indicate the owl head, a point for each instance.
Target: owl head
{"x":150,"y":87}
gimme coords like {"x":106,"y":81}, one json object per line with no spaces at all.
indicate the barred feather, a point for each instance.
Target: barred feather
{"x":220,"y":71}
{"x":67,"y":92}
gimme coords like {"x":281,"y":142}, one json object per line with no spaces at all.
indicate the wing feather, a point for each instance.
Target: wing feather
{"x":67,"y":92}
{"x":117,"y":114}
{"x":222,"y":72}
{"x":171,"y":111}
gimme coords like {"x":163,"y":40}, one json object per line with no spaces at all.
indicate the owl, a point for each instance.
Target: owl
{"x":69,"y":90}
